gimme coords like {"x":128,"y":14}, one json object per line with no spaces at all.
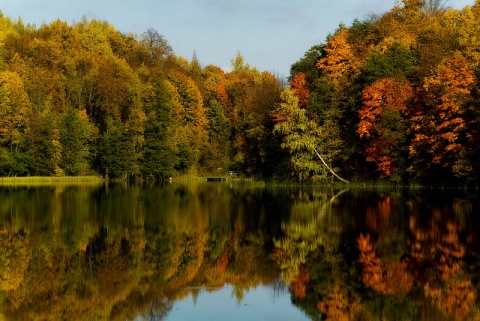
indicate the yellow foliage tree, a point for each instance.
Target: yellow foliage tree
{"x":14,"y":108}
{"x":189,"y":114}
{"x":339,"y":61}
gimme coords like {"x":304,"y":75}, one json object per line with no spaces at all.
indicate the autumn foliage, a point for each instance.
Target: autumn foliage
{"x":389,"y":279}
{"x":434,"y":261}
{"x":147,"y":114}
{"x":298,"y":85}
{"x":447,"y":286}
{"x":300,"y":283}
{"x":400,"y":89}
{"x":336,"y":306}
{"x":339,"y":61}
{"x":384,"y":105}
{"x":392,"y":96}
{"x":438,"y":124}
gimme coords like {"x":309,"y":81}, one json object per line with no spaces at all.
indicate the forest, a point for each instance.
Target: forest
{"x":393,"y":96}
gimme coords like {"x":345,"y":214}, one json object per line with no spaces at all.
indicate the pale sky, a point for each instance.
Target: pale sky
{"x":270,"y":34}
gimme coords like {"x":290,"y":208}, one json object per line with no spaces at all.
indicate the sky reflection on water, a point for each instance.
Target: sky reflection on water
{"x":261,"y":303}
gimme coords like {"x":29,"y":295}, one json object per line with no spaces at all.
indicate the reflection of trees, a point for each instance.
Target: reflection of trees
{"x":337,"y":305}
{"x":438,"y":246}
{"x":377,"y":256}
{"x":146,"y":255}
{"x":302,"y":234}
{"x":432,"y":267}
{"x":294,"y":248}
{"x":123,"y":255}
{"x":389,"y":279}
{"x":122,"y":274}
{"x":15,"y":255}
{"x":309,"y":252}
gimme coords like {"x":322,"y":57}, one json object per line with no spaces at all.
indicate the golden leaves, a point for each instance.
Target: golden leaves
{"x":14,"y":107}
{"x":15,"y":255}
{"x":336,"y":306}
{"x":339,"y":60}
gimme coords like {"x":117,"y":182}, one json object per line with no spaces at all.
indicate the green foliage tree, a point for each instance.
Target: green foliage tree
{"x":115,"y":151}
{"x":216,"y":155}
{"x":6,"y":162}
{"x":397,"y":61}
{"x":301,"y":138}
{"x":77,"y":138}
{"x":41,"y":145}
{"x":158,"y":153}
{"x":307,"y":65}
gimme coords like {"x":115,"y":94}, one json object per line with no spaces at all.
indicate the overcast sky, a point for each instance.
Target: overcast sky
{"x":270,"y":34}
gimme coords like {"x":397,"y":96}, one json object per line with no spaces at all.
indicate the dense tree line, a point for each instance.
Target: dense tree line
{"x":84,"y":98}
{"x":391,"y":96}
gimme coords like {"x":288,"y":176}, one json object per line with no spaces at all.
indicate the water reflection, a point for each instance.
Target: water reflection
{"x":261,"y":304}
{"x":121,"y":252}
{"x":395,"y":257}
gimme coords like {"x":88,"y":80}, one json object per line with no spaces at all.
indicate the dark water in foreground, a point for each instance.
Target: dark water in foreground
{"x":220,"y":251}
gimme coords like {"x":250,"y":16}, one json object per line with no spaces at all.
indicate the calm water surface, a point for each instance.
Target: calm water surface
{"x":224,"y":251}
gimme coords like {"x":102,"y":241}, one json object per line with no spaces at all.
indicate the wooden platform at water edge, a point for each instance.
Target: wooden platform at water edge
{"x":216,"y":179}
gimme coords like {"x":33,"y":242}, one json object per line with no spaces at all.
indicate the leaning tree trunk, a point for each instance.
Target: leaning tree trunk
{"x":331,"y":171}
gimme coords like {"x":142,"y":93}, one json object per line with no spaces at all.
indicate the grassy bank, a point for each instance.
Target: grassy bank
{"x":50,"y":180}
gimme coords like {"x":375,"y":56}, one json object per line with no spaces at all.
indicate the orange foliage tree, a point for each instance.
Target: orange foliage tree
{"x":298,"y":85}
{"x":382,"y":121}
{"x":436,"y":126}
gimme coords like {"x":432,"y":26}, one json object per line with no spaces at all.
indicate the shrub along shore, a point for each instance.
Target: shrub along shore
{"x":51,"y":180}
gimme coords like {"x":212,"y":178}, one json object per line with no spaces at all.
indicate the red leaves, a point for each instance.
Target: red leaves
{"x":384,"y":105}
{"x":376,"y":98}
{"x":298,"y":85}
{"x":436,"y":126}
{"x":435,"y":119}
{"x":222,"y":95}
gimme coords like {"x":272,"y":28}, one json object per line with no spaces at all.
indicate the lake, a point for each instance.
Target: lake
{"x":230,"y":251}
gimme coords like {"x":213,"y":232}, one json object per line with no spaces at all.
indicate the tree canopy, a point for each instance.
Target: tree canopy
{"x":392,"y":96}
